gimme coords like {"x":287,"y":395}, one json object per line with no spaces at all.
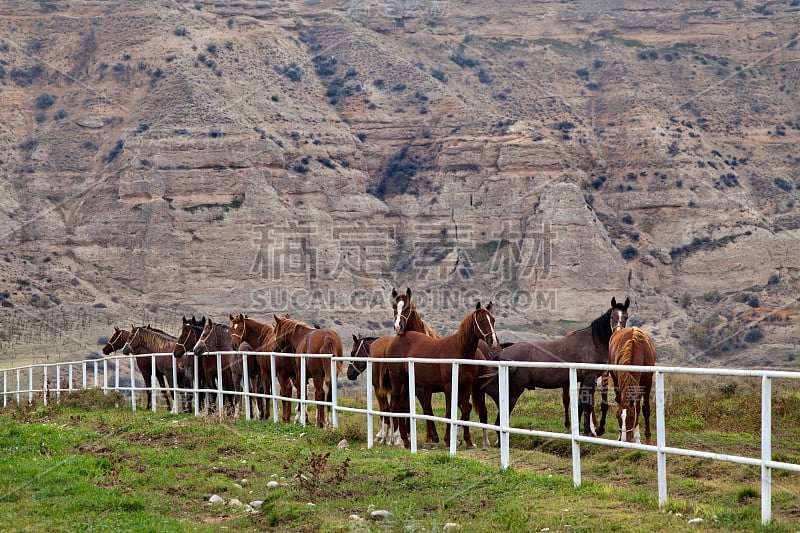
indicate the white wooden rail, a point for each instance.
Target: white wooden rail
{"x":40,"y":377}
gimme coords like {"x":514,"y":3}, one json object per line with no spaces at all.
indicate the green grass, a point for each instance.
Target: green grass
{"x":87,"y":465}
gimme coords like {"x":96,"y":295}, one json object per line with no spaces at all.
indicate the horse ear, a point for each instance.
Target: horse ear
{"x":116,"y":328}
{"x":408,"y":292}
{"x":355,"y":339}
{"x":613,"y":301}
{"x":276,"y":317}
{"x":394,"y":293}
{"x":478,"y":305}
{"x":488,"y":307}
{"x":627,"y":303}
{"x":230,"y":316}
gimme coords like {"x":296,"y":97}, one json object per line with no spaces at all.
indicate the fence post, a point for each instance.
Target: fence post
{"x":766,"y":449}
{"x":220,"y":404}
{"x":334,"y":394}
{"x":174,"y":366}
{"x":69,"y":377}
{"x":412,"y":406}
{"x":105,"y":376}
{"x":661,"y":440}
{"x":30,"y":385}
{"x":18,"y":385}
{"x":95,"y":373}
{"x":246,"y":387}
{"x":502,"y":382}
{"x":453,"y":409}
{"x":116,"y":373}
{"x":44,"y":384}
{"x":153,"y":384}
{"x":84,"y":377}
{"x":273,"y":378}
{"x":369,"y":405}
{"x":5,"y":388}
{"x":133,"y":383}
{"x":303,"y":390}
{"x":196,"y":387}
{"x":58,"y":383}
{"x":574,"y":426}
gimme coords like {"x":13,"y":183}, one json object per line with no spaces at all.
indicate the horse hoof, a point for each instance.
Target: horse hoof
{"x":428,"y":446}
{"x":471,"y":446}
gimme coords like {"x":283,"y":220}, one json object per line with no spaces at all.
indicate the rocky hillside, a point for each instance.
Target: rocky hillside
{"x":167,"y":158}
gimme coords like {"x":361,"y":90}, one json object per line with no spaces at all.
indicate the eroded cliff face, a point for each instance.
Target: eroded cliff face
{"x":218,"y":157}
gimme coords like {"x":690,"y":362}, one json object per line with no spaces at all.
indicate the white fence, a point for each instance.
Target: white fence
{"x":24,"y":383}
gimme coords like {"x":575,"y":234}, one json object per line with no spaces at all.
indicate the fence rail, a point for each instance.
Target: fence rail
{"x":27,"y":382}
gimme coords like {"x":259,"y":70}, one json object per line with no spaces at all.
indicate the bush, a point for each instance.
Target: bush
{"x":112,"y":155}
{"x":378,"y":83}
{"x":25,"y":77}
{"x":627,"y":219}
{"x":60,"y":114}
{"x":361,"y":136}
{"x":40,"y":116}
{"x":753,"y":335}
{"x":629,"y":253}
{"x":180,"y":32}
{"x":45,"y":101}
{"x":783,"y":184}
{"x":439,"y":75}
{"x":292,"y":71}
{"x":484,"y":77}
{"x":463,"y":61}
{"x":28,"y":144}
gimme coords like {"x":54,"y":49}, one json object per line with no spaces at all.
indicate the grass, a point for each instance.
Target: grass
{"x":88,"y":465}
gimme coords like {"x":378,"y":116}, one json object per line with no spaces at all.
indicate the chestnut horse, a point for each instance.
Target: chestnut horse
{"x":298,"y":337}
{"x":217,"y":338}
{"x":618,"y":320}
{"x":375,"y":347}
{"x":261,"y":337}
{"x":117,"y":341}
{"x":587,"y":345}
{"x":477,"y":325}
{"x":632,"y":346}
{"x":147,"y":340}
{"x":406,"y":318}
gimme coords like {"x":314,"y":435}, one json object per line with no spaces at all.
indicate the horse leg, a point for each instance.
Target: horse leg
{"x":603,"y":403}
{"x":320,"y":396}
{"x":431,"y":436}
{"x":466,"y":409}
{"x":513,"y":397}
{"x":565,"y":401}
{"x":286,"y":405}
{"x":586,"y":407}
{"x":479,"y":404}
{"x":383,"y":405}
{"x":400,"y":404}
{"x":165,"y":382}
{"x":646,"y":412}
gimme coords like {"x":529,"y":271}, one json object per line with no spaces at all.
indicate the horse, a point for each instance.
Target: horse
{"x":117,"y":341}
{"x":375,"y":347}
{"x":478,"y":324}
{"x":618,"y":320}
{"x":406,"y":318}
{"x":217,"y":338}
{"x":632,"y":346}
{"x":190,"y":332}
{"x":587,"y":345}
{"x":261,"y":337}
{"x":147,"y":340}
{"x":299,"y":337}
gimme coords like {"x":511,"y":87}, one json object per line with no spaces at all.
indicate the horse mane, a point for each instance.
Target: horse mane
{"x":426,"y":328}
{"x":627,"y":355}
{"x":163,"y":342}
{"x":463,"y":329}
{"x":263,"y":330}
{"x":151,"y":328}
{"x":290,"y":328}
{"x":601,"y":329}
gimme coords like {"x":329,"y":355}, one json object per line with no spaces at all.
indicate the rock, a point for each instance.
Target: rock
{"x":255,"y":504}
{"x":694,"y":521}
{"x":343,"y":445}
{"x":90,"y":122}
{"x":380,"y":514}
{"x":451,"y":526}
{"x":355,"y":518}
{"x":272,"y":484}
{"x":215,"y":499}
{"x":235,"y":503}
{"x":238,"y":486}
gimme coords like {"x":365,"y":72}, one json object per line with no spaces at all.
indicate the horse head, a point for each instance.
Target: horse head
{"x":619,"y":314}
{"x":133,"y":342}
{"x":401,"y":307}
{"x":201,"y":346}
{"x":238,"y":326}
{"x":116,"y":341}
{"x":187,"y":337}
{"x":283,"y":333}
{"x":483,"y":320}
{"x":360,"y":349}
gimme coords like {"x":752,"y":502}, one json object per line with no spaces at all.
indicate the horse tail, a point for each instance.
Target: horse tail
{"x":329,"y":346}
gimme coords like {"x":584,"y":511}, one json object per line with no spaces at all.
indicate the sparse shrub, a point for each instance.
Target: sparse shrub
{"x":378,"y":83}
{"x":114,"y":152}
{"x":292,"y":71}
{"x":325,"y":65}
{"x":753,"y":335}
{"x":783,"y":184}
{"x":582,"y":73}
{"x":89,"y":145}
{"x":484,"y":77}
{"x":399,"y":87}
{"x":28,"y":144}
{"x":41,"y":116}
{"x":439,"y":75}
{"x":463,"y":61}
{"x":60,"y":114}
{"x":686,"y":300}
{"x":45,"y":101}
{"x":212,"y":49}
{"x":361,"y":136}
{"x":629,"y":253}
{"x":627,"y":219}
{"x":326,"y":162}
{"x":25,"y":77}
{"x":180,"y":31}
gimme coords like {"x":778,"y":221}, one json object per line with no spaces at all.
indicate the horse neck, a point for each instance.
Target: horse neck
{"x":466,"y":338}
{"x":299,"y":332}
{"x":256,"y":333}
{"x":154,"y":342}
{"x":415,"y":323}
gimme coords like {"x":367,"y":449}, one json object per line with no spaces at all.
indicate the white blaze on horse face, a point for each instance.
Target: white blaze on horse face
{"x":495,"y":343}
{"x":399,"y":314}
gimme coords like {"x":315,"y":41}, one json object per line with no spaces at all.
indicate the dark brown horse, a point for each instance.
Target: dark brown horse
{"x":375,"y":347}
{"x":261,"y":337}
{"x":298,"y":337}
{"x":217,"y":338}
{"x":406,"y":318}
{"x":190,"y":332}
{"x":587,"y":345}
{"x":147,"y":340}
{"x":117,"y":341}
{"x":632,"y":346}
{"x":477,"y":325}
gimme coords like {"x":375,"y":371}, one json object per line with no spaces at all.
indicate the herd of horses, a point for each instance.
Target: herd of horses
{"x":607,"y":340}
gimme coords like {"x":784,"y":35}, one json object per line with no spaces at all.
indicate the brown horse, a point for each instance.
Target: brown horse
{"x":632,"y":346}
{"x":618,"y":320}
{"x":587,"y":345}
{"x":190,"y":332}
{"x":117,"y":341}
{"x":406,"y":318}
{"x":375,"y":347}
{"x":477,"y":325}
{"x":147,"y":340}
{"x":217,"y":338}
{"x":298,"y":337}
{"x":261,"y":337}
